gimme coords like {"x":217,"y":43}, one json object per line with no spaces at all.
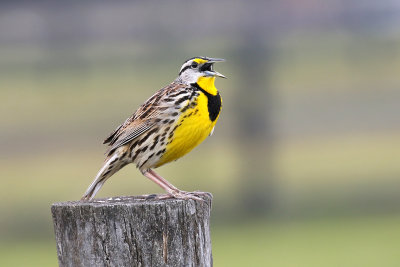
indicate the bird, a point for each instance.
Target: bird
{"x":173,"y":121}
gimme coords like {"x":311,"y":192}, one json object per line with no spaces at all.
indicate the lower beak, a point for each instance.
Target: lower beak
{"x":214,"y":73}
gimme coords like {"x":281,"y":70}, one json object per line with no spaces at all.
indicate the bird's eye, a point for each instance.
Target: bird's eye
{"x":194,"y":65}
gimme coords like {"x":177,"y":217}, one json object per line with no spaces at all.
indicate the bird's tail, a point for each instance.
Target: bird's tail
{"x":111,"y":166}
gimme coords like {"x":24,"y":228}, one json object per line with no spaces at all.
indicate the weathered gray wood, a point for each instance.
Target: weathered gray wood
{"x":133,"y":231}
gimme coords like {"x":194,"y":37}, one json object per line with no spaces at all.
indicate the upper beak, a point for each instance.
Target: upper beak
{"x":213,"y":72}
{"x":213,"y":60}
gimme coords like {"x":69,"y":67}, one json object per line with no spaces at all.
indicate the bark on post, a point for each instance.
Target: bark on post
{"x":133,"y":231}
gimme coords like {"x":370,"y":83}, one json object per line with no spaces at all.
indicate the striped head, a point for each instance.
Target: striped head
{"x":195,"y":68}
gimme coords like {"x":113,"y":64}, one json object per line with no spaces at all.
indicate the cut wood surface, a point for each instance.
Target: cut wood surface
{"x":133,"y":231}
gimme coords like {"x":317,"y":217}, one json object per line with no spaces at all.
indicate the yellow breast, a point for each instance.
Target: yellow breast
{"x":194,"y":126}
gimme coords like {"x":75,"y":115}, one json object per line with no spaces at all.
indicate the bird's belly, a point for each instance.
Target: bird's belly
{"x":194,"y":126}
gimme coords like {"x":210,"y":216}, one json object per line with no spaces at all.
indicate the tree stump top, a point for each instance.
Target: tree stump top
{"x":130,"y":200}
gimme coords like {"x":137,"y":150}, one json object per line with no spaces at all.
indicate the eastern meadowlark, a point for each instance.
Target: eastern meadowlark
{"x":167,"y":126}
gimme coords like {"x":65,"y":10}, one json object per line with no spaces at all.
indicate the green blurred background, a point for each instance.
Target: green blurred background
{"x":304,"y":164}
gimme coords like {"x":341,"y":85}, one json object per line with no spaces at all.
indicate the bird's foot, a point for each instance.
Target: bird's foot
{"x":186,"y":195}
{"x":180,"y":195}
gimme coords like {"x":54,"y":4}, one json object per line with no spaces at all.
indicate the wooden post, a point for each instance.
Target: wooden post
{"x":133,"y":231}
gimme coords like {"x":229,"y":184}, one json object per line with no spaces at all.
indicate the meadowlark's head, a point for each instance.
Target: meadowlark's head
{"x":195,"y":68}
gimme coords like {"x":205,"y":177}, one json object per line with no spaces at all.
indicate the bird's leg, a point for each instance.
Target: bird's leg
{"x":167,"y":186}
{"x":155,"y":179}
{"x":164,"y":181}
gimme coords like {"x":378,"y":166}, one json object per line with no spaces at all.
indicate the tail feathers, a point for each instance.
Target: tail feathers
{"x":110,"y":167}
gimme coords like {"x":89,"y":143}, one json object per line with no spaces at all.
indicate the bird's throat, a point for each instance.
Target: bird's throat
{"x":207,"y":84}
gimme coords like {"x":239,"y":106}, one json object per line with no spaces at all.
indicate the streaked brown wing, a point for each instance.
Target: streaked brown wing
{"x":132,"y":132}
{"x":145,"y":118}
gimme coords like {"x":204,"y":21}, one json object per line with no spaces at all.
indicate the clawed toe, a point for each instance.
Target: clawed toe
{"x":179,"y":195}
{"x":152,"y":196}
{"x":201,"y":193}
{"x":186,"y":195}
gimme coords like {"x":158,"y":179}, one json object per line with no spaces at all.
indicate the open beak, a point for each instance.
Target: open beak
{"x":209,"y":67}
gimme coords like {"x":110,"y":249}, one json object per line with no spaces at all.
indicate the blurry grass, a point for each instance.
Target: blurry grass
{"x":339,"y":174}
{"x":33,"y":253}
{"x":338,"y":159}
{"x":329,"y":242}
{"x":363,"y":241}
